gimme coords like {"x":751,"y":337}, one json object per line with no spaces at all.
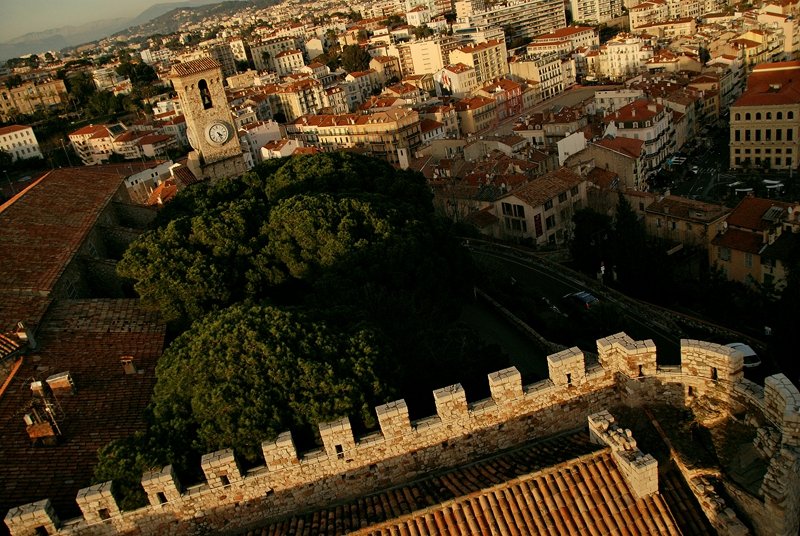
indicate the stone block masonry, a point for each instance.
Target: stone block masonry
{"x":460,"y":431}
{"x":639,"y":470}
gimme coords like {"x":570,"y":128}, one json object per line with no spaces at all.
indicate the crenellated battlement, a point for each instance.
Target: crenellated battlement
{"x":460,"y":431}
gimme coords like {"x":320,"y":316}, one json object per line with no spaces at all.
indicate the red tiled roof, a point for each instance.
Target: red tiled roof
{"x":630,"y":147}
{"x":772,"y":84}
{"x":42,"y":229}
{"x":195,"y":66}
{"x":162,"y":193}
{"x":739,"y":240}
{"x":12,"y":128}
{"x":543,"y":188}
{"x":555,"y":487}
{"x":87,"y":339}
{"x":88,"y":130}
{"x":749,"y":213}
{"x":564,"y":32}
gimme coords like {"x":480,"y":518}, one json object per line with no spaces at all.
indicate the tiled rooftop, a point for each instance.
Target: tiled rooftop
{"x":562,"y":485}
{"x":195,"y":66}
{"x":41,"y":230}
{"x":86,"y":338}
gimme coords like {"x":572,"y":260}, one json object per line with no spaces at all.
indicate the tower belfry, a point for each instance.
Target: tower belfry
{"x":209,"y":121}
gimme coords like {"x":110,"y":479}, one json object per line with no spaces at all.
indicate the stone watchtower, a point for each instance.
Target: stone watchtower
{"x":209,"y":121}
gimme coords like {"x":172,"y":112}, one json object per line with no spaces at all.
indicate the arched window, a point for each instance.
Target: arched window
{"x":205,"y":94}
{"x":747,"y":116}
{"x":769,"y":116}
{"x":738,"y":117}
{"x":758,"y":116}
{"x":779,"y":115}
{"x":789,"y":115}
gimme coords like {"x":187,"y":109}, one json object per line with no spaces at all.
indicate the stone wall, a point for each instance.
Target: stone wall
{"x":349,"y":466}
{"x":639,"y":470}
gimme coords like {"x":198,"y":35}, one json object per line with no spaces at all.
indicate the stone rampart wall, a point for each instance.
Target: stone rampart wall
{"x":348,"y":466}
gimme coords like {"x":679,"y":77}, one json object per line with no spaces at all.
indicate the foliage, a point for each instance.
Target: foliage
{"x":421,"y":32}
{"x":354,"y":58}
{"x":314,"y":287}
{"x":251,"y":372}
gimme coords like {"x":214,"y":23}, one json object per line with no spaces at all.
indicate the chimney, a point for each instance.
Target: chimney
{"x":61,"y":384}
{"x":127,"y":364}
{"x":25,"y":334}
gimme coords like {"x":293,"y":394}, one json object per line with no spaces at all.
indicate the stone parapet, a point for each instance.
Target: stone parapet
{"x":459,"y":432}
{"x":640,"y":470}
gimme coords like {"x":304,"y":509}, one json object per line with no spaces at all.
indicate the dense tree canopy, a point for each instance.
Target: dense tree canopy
{"x":354,"y":58}
{"x":309,"y":289}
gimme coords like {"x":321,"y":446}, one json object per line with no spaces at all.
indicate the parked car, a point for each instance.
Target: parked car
{"x":581,"y":299}
{"x":751,"y":358}
{"x":695,"y":169}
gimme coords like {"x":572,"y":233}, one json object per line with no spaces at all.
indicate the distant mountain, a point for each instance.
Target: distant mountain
{"x":58,"y":38}
{"x":68,"y":36}
{"x":170,"y":21}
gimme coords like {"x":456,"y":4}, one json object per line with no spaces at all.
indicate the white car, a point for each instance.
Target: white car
{"x":751,"y":358}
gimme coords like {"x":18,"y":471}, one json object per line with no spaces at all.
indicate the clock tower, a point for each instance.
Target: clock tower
{"x":209,"y":122}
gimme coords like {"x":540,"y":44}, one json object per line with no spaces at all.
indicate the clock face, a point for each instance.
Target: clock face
{"x":218,"y":133}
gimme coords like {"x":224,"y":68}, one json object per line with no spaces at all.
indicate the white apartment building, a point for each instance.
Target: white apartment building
{"x":264,"y":52}
{"x":648,"y":13}
{"x":458,"y":80}
{"x":289,"y":61}
{"x":425,"y":56}
{"x":20,"y":142}
{"x":595,"y":11}
{"x":488,"y":59}
{"x":552,"y":74}
{"x":518,"y":19}
{"x":418,"y":16}
{"x":614,"y":99}
{"x":645,"y":120}
{"x":622,"y":57}
{"x":256,"y":135}
{"x":152,"y":56}
{"x":572,"y":36}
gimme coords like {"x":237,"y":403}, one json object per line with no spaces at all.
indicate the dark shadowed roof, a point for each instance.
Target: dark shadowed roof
{"x":86,"y":338}
{"x":42,"y":228}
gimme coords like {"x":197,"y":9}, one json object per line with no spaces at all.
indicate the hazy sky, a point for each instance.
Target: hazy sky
{"x":18,"y":17}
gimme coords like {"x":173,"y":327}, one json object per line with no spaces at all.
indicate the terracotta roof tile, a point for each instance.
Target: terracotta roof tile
{"x":42,"y":229}
{"x":86,"y":338}
{"x":195,"y":66}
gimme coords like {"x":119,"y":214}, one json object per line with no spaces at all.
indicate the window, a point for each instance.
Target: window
{"x":673,"y":225}
{"x":507,"y":211}
{"x":758,"y":135}
{"x":205,"y":94}
{"x":747,"y":135}
{"x":748,"y":260}
{"x":789,"y":134}
{"x":161,"y":498}
{"x":574,"y":191}
{"x":548,"y":204}
{"x":550,"y":222}
{"x":768,"y":134}
{"x":789,"y":115}
{"x":779,"y":115}
{"x":737,"y":135}
{"x":747,"y":116}
{"x":778,"y":134}
{"x":519,"y":211}
{"x":562,"y":197}
{"x":724,"y":254}
{"x":738,"y":117}
{"x":339,"y":452}
{"x":104,"y":513}
{"x":769,"y":116}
